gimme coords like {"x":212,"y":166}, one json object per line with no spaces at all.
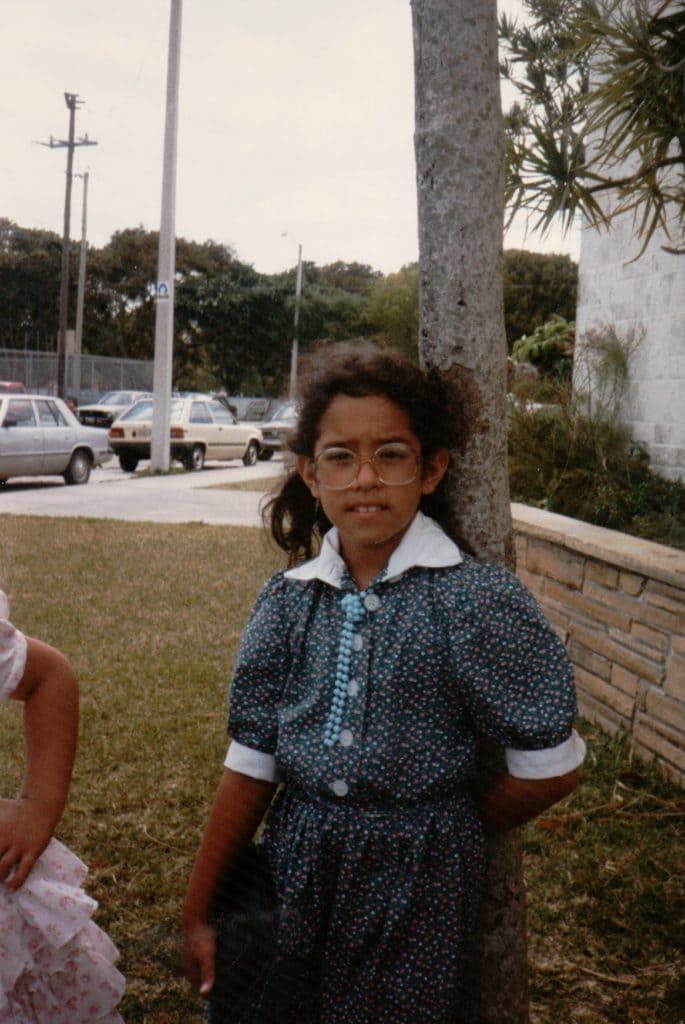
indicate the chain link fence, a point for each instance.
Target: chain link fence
{"x":38,"y":371}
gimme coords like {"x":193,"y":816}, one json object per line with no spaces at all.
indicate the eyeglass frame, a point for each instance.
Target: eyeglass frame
{"x":362,"y":462}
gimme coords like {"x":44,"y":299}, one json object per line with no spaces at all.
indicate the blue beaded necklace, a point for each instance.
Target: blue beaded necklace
{"x":353,"y":606}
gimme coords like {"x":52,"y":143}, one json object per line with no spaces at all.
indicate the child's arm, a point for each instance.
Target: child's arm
{"x":512,"y":802}
{"x":239,"y":805}
{"x":49,"y":690}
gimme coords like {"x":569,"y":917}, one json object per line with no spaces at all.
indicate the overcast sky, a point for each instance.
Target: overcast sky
{"x":295,"y":124}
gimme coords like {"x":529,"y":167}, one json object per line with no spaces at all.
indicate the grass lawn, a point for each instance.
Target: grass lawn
{"x":151,"y":616}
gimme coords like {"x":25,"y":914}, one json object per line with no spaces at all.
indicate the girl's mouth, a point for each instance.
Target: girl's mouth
{"x":366,"y":509}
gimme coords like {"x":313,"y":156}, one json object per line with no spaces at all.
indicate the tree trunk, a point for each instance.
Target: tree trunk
{"x":460,"y":182}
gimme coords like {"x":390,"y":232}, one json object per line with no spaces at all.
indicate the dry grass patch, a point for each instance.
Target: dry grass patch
{"x":151,"y":615}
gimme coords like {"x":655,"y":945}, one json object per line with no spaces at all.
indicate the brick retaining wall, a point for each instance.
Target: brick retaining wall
{"x":618,"y":604}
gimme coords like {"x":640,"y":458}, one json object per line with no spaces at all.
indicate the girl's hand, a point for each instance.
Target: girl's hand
{"x":199,"y":955}
{"x":26,"y":828}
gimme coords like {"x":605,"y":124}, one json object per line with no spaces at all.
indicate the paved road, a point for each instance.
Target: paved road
{"x":113,"y":494}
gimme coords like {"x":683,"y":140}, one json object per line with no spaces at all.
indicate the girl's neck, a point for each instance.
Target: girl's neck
{"x":364,"y":569}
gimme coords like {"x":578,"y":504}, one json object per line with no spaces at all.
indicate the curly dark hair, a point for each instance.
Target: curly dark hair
{"x":358,"y":370}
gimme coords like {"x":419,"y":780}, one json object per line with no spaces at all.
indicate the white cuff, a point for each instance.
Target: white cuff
{"x":548,"y":763}
{"x":254,"y":763}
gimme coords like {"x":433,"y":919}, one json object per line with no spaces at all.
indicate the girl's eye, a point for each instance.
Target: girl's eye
{"x":338,"y":456}
{"x":394,"y":453}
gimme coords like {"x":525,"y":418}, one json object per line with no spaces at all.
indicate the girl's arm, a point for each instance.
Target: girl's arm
{"x":239,"y":805}
{"x":49,"y":690}
{"x":512,"y":802}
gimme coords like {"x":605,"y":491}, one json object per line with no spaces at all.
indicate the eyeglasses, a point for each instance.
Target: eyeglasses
{"x":395,"y":464}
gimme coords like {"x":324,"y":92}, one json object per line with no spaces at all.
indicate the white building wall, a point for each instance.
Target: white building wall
{"x":644,"y":300}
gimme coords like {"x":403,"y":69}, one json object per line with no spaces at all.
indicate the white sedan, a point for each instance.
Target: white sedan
{"x":202,"y":427}
{"x":40,"y":436}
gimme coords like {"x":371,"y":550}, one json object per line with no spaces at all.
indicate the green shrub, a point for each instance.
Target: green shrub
{"x":549,"y":348}
{"x":566,"y":461}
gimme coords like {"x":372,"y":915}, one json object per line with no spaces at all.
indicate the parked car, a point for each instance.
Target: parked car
{"x":109,"y":406}
{"x":201,"y":428}
{"x":275,"y":431}
{"x":12,"y":387}
{"x":40,"y":436}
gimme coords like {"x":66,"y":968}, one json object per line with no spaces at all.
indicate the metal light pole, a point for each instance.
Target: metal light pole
{"x":296,"y":324}
{"x":166,"y":262}
{"x":78,"y":338}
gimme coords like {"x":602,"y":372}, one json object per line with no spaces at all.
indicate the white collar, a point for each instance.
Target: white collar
{"x":425,"y":544}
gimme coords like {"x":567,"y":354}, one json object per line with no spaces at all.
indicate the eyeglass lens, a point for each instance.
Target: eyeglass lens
{"x":394,"y":464}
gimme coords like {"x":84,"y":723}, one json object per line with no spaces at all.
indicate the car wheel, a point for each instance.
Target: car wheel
{"x":251,"y":454}
{"x":78,"y":470}
{"x":195,"y":459}
{"x":265,"y":454}
{"x":128,"y":462}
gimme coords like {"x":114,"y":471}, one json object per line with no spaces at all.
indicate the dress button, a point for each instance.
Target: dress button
{"x":357,"y":642}
{"x":353,"y":688}
{"x":346,"y":738}
{"x":372,"y":602}
{"x":340,"y":787}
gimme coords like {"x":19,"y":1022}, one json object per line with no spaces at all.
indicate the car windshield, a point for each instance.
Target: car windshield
{"x":142,"y":410}
{"x":286,"y":411}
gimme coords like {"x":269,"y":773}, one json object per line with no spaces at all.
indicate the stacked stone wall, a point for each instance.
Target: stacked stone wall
{"x":618,"y":604}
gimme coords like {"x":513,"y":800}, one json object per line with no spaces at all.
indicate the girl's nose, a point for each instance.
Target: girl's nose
{"x":367,"y":476}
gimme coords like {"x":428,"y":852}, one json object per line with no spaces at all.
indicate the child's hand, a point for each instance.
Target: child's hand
{"x":199,"y":955}
{"x":26,"y":827}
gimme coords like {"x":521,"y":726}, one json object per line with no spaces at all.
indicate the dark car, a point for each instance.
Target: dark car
{"x":40,"y":436}
{"x":109,"y":407}
{"x":12,"y":387}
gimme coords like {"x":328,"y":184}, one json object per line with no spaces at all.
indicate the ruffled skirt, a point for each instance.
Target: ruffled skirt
{"x":56,"y":965}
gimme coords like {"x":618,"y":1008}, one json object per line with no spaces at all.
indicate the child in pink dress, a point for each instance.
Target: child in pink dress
{"x":56,"y":965}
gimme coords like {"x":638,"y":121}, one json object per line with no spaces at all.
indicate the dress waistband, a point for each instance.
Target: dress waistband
{"x":456,"y":798}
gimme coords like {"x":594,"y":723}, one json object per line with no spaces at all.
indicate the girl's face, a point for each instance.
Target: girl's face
{"x":371,"y":517}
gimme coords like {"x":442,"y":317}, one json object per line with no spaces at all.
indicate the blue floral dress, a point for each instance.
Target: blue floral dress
{"x":371,"y":720}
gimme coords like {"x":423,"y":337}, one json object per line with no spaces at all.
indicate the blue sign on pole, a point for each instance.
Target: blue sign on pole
{"x":162,"y":290}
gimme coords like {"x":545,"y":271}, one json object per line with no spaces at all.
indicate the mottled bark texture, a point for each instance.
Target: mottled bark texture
{"x":459,"y":144}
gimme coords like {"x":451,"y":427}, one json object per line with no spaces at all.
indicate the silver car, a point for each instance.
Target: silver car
{"x":40,"y":436}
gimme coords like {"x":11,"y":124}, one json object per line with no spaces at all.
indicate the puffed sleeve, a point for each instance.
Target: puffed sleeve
{"x":12,"y":652}
{"x":519,"y":679}
{"x":260,"y":672}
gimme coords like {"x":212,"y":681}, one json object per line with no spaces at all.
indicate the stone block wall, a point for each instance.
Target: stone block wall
{"x":618,"y":604}
{"x":642,"y":300}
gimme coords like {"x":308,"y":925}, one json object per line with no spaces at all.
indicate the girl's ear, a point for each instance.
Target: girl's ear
{"x":305,"y":467}
{"x":434,"y":468}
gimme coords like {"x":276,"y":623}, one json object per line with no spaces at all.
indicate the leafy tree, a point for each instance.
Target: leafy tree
{"x":393,"y":309}
{"x":605,"y":143}
{"x":333,"y":301}
{"x":30,"y":268}
{"x":536,"y":287}
{"x":237,"y":326}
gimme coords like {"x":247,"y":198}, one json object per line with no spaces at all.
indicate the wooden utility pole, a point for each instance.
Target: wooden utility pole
{"x":72,"y":102}
{"x":80,"y":295}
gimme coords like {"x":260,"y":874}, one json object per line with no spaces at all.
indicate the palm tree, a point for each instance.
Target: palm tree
{"x":459,"y":143}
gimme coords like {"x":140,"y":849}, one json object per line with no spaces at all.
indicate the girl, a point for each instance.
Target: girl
{"x":366,"y":676}
{"x":56,"y":966}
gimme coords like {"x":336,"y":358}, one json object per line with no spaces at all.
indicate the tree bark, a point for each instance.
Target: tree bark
{"x":459,"y":143}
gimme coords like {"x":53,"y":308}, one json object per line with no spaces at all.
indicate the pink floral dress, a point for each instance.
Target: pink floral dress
{"x":56,"y":965}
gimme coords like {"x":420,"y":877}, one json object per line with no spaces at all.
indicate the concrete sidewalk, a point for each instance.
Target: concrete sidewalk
{"x":174,"y":498}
